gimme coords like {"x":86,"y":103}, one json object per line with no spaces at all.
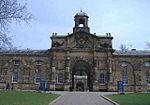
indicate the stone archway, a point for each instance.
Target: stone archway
{"x":82,"y":76}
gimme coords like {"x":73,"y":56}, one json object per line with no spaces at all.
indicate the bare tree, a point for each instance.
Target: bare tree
{"x":5,"y":41}
{"x":124,"y":47}
{"x":148,"y":45}
{"x":11,"y":10}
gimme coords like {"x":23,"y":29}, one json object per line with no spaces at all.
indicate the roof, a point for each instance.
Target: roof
{"x":132,"y":52}
{"x":81,"y":13}
{"x":94,"y":35}
{"x":23,"y":51}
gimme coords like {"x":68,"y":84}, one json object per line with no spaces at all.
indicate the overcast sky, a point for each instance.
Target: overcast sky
{"x":127,"y":20}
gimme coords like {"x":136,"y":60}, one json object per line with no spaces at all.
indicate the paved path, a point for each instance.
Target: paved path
{"x":81,"y":98}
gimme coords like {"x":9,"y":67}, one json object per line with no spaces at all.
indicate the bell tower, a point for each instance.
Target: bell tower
{"x":81,"y":22}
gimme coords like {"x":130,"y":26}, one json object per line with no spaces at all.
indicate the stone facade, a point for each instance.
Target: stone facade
{"x":80,"y":61}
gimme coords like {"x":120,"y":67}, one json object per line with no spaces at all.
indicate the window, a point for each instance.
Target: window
{"x":147,"y":64}
{"x":148,"y":78}
{"x":15,"y":76}
{"x":101,"y":79}
{"x":37,"y":76}
{"x":16,"y":62}
{"x":123,"y":64}
{"x":60,"y":78}
{"x":125,"y":79}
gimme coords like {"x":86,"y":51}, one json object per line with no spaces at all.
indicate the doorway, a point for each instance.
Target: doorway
{"x":82,"y":76}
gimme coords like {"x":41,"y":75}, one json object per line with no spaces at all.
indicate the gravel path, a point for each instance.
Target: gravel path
{"x":81,"y":98}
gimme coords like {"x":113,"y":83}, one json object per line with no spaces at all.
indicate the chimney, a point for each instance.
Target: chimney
{"x":133,"y":49}
{"x":106,"y":34}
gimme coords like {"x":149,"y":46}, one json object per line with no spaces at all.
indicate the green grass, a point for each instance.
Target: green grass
{"x":25,"y":98}
{"x":132,"y":99}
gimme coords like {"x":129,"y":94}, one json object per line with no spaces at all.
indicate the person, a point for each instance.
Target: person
{"x":12,"y":86}
{"x":7,"y":86}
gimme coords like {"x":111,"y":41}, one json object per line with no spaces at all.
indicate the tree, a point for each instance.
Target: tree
{"x":11,"y":10}
{"x":148,"y":45}
{"x":5,"y":41}
{"x":124,"y":47}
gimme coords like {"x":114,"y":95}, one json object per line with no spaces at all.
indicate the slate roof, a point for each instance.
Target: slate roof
{"x":43,"y":52}
{"x":24,"y":51}
{"x":133,"y":52}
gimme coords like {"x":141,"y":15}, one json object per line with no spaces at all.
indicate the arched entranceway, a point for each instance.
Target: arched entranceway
{"x":80,"y":80}
{"x":82,"y":76}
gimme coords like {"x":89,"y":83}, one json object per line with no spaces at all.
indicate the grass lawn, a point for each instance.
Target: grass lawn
{"x":132,"y":99}
{"x":25,"y":98}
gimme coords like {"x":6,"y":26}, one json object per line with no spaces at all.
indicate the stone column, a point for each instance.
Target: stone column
{"x":110,"y":69}
{"x":53,"y":74}
{"x":53,"y":81}
{"x":95,"y":84}
{"x":67,"y":82}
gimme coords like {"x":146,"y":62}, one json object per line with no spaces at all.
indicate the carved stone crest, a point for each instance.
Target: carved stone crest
{"x":82,"y":41}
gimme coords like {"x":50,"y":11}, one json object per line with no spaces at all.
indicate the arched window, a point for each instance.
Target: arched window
{"x":148,"y":78}
{"x":124,"y":64}
{"x":125,"y":79}
{"x":60,"y":79}
{"x":81,"y":23}
{"x":101,"y":79}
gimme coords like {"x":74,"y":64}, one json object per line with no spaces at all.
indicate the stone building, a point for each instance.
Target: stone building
{"x":79,"y":61}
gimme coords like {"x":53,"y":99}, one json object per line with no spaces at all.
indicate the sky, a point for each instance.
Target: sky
{"x":128,"y":21}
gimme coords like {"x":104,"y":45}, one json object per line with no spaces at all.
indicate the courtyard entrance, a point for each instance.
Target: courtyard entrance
{"x":82,"y":77}
{"x":80,"y":81}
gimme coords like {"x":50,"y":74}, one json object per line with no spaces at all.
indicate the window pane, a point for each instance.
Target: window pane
{"x":16,"y":62}
{"x":101,"y":79}
{"x":60,"y":78}
{"x":15,"y":76}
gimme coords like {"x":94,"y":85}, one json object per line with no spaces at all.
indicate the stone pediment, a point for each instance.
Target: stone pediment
{"x":81,"y":40}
